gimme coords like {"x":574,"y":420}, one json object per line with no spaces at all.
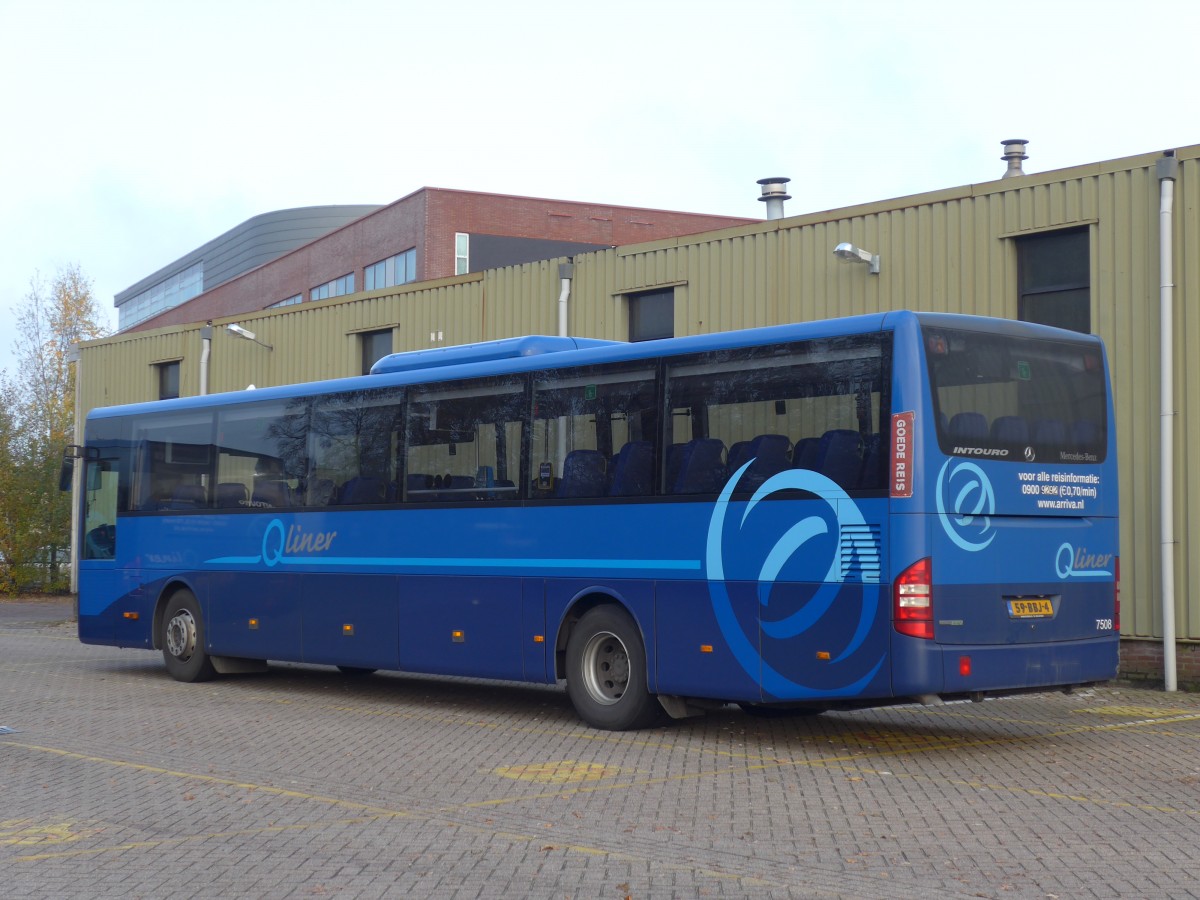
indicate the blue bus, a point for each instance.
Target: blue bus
{"x":861,"y":511}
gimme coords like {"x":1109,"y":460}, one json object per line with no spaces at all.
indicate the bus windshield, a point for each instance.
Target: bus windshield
{"x":1017,"y":399}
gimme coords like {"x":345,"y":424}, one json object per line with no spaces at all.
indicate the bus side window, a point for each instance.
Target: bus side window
{"x":594,"y":433}
{"x":260,"y":454}
{"x":352,"y":447}
{"x":463,"y":441}
{"x":760,"y":411}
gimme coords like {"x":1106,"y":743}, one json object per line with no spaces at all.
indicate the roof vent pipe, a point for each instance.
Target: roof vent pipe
{"x":1014,"y":153}
{"x":773,"y":194}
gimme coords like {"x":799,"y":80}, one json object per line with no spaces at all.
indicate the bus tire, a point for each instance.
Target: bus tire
{"x":606,"y":672}
{"x":183,"y":639}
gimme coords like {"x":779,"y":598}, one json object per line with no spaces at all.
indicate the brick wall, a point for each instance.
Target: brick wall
{"x":428,"y":220}
{"x":1142,"y":660}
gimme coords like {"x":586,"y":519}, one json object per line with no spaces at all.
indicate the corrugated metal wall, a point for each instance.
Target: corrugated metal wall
{"x":951,"y":250}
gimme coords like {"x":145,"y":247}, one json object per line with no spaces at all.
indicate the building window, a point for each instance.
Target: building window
{"x":290,"y":301}
{"x":169,"y":293}
{"x":375,"y":346}
{"x":652,"y":315}
{"x":335,"y":288}
{"x":398,"y":269}
{"x":168,"y":380}
{"x":1053,"y":273}
{"x":462,"y":254}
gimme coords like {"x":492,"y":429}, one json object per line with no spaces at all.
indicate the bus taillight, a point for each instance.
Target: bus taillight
{"x":912,"y":600}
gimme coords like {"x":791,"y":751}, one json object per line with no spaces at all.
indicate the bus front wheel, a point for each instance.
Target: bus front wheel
{"x":606,"y":672}
{"x":183,"y":639}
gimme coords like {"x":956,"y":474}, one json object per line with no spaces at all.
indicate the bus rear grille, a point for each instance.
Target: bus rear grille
{"x":860,"y":553}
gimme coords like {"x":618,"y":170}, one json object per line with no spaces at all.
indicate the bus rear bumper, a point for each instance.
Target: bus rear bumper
{"x":921,"y":668}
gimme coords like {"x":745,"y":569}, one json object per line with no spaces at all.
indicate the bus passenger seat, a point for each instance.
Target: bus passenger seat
{"x":701,"y":468}
{"x":1010,"y":430}
{"x":739,"y":452}
{"x":804,"y":454}
{"x":771,"y":455}
{"x":458,"y":488}
{"x":674,"y":459}
{"x":231,"y":495}
{"x":320,"y":492}
{"x":968,"y":426}
{"x":633,"y":473}
{"x":583,"y":474}
{"x":271,"y":493}
{"x":1086,"y":434}
{"x":418,"y":482}
{"x":840,"y":456}
{"x":362,"y":489}
{"x":188,"y":496}
{"x":1051,"y":431}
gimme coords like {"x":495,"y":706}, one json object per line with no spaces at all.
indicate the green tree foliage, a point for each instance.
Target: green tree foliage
{"x":37,"y":422}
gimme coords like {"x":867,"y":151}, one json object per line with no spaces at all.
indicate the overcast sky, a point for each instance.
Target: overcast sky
{"x":135,"y":131}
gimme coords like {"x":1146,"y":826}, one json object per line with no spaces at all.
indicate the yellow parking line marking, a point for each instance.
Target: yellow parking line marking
{"x":211,"y":779}
{"x":1135,"y":712}
{"x":22,"y":832}
{"x":166,"y":842}
{"x":380,"y":813}
{"x":565,"y":771}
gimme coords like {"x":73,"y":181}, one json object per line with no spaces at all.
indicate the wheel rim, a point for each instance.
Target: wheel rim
{"x":181,"y":635}
{"x":605,"y":668}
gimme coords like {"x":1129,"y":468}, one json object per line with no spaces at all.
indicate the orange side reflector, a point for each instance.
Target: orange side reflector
{"x":131,"y":615}
{"x":458,"y":637}
{"x":254,"y":624}
{"x":823,"y":654}
{"x":539,"y":639}
{"x":706,"y":648}
{"x":348,"y":630}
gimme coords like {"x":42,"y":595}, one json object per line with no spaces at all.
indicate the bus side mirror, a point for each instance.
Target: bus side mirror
{"x":65,"y":474}
{"x":71,"y":453}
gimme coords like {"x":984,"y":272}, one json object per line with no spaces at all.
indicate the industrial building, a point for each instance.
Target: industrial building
{"x":253,"y":243}
{"x":429,"y":234}
{"x":1099,"y":247}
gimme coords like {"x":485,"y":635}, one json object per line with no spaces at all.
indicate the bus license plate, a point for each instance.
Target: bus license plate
{"x":1029,"y":609}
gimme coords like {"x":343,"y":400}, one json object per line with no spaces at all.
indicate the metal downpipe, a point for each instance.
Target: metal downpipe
{"x":1167,"y":171}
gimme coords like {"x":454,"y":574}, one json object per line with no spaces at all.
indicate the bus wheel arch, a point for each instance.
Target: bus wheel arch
{"x":179,"y":634}
{"x":169,"y":590}
{"x":581,"y":605}
{"x":604,"y":662}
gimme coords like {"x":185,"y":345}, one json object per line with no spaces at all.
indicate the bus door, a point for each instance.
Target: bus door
{"x":108,"y":592}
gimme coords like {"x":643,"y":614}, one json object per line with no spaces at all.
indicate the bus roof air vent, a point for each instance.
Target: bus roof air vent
{"x":487,"y":351}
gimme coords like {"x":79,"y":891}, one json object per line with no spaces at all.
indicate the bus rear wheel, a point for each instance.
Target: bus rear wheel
{"x":606,"y":672}
{"x":182,"y":639}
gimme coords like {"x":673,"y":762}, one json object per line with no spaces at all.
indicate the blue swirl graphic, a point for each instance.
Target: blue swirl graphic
{"x":747,"y":653}
{"x":966,"y":516}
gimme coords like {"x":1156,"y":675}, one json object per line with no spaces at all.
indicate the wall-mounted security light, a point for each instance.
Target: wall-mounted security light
{"x":847,"y":252}
{"x":245,"y":333}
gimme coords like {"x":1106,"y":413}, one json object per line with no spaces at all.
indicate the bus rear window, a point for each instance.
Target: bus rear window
{"x":1012,"y":398}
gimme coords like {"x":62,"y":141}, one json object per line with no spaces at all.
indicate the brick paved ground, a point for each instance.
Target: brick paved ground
{"x":303,"y":783}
